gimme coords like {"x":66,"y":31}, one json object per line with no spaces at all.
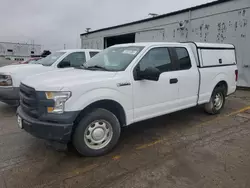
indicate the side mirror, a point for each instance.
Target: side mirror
{"x":150,"y":73}
{"x":64,"y":64}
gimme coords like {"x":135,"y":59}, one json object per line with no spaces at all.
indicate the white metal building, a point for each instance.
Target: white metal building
{"x":18,"y":51}
{"x":224,"y":21}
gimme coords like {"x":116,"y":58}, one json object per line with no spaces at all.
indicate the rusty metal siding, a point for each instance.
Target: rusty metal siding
{"x":244,"y":55}
{"x":231,"y":27}
{"x":154,"y":35}
{"x":92,"y":43}
{"x":228,"y":22}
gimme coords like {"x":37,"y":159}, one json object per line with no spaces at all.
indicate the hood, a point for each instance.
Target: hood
{"x":22,"y":71}
{"x":65,"y":79}
{"x":14,"y":69}
{"x":18,"y":67}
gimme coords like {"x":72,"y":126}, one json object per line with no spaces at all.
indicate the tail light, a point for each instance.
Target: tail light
{"x":236,"y":75}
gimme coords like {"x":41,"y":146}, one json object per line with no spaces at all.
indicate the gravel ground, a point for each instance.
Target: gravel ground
{"x":183,"y":149}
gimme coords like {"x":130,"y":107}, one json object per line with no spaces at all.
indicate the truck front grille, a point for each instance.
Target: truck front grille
{"x":28,"y":100}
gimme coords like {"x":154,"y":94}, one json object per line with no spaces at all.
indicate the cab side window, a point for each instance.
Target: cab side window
{"x":183,"y":59}
{"x":158,"y":58}
{"x":74,"y":59}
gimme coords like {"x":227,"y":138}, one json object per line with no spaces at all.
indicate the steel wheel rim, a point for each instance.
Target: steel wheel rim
{"x":218,"y":101}
{"x":98,"y":134}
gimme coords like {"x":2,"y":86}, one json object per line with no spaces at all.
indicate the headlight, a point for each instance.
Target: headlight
{"x":5,"y":80}
{"x":60,"y":98}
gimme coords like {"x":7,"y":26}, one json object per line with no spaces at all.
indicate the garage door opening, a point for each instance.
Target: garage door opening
{"x":120,"y":39}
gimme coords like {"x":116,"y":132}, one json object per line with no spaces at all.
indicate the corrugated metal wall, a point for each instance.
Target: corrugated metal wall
{"x":20,"y":50}
{"x":227,"y":22}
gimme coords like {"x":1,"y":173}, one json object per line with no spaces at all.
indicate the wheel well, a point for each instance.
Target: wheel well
{"x":223,"y":84}
{"x":109,"y":105}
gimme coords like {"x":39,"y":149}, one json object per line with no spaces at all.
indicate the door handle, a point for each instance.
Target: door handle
{"x":173,"y":80}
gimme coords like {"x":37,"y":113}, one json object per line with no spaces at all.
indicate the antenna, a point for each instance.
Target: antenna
{"x":88,"y":29}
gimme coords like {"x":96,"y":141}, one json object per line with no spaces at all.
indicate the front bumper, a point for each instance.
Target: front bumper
{"x":9,"y":95}
{"x":59,"y":132}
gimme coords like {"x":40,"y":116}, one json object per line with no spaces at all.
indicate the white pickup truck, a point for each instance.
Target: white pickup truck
{"x":11,"y":75}
{"x":122,"y":85}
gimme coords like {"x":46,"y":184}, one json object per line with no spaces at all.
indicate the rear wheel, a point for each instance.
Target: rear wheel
{"x":97,"y":133}
{"x":217,"y":101}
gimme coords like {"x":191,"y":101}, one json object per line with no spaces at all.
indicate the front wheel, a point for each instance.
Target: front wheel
{"x":216,"y":102}
{"x":97,"y":133}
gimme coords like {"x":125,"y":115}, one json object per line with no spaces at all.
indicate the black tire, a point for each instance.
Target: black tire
{"x":210,"y":107}
{"x":78,"y":136}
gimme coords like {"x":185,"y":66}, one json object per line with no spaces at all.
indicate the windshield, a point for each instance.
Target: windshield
{"x":114,"y":58}
{"x":50,"y":59}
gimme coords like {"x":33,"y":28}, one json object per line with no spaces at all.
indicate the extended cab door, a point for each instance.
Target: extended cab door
{"x":155,"y":98}
{"x":188,"y":76}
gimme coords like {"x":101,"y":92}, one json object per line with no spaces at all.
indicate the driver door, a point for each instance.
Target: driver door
{"x":155,"y":98}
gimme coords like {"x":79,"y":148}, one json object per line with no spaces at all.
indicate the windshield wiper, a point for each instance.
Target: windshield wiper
{"x":96,"y":67}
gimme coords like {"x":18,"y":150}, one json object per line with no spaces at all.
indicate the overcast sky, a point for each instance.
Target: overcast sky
{"x":53,"y":23}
